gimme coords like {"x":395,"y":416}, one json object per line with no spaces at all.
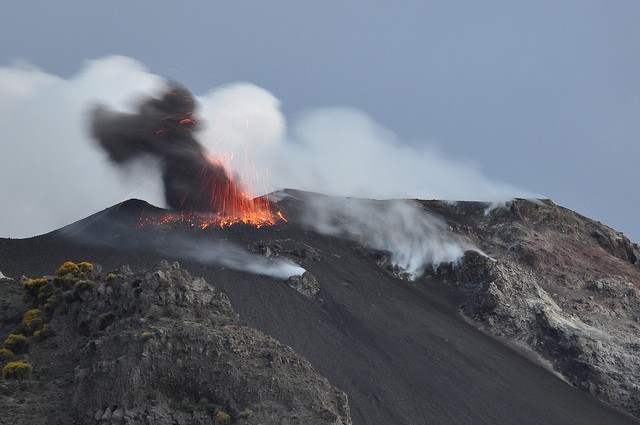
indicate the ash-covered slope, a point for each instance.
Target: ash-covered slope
{"x":399,"y":349}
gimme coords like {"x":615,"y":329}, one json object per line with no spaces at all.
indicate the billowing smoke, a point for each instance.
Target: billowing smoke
{"x":163,"y":129}
{"x":412,"y":237}
{"x":53,"y":175}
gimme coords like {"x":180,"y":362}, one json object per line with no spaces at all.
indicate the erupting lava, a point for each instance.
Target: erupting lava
{"x":227,"y":205}
{"x":200,"y":188}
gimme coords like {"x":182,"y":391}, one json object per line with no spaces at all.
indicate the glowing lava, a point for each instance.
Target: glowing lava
{"x":200,"y":188}
{"x":222,"y":203}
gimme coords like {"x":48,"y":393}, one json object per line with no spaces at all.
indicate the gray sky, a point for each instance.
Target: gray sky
{"x":544,"y":96}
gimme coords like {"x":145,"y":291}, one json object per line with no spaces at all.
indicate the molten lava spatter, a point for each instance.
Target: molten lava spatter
{"x":202,"y":221}
{"x":219,"y":202}
{"x":200,"y":188}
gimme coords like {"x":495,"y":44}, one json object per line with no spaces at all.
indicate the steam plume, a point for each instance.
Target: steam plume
{"x":162,"y":128}
{"x":232,"y":256}
{"x":413,"y":238}
{"x":52,"y":176}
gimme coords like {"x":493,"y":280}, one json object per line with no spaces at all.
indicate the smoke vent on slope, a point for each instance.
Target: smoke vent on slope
{"x":413,"y":238}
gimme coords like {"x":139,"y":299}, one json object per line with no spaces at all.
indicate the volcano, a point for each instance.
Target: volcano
{"x":536,"y":323}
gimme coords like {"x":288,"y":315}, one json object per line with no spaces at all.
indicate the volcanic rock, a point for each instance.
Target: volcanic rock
{"x":162,"y":347}
{"x":564,"y":286}
{"x":537,"y":324}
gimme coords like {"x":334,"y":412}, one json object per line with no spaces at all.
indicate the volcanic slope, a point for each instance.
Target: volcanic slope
{"x":401,"y":350}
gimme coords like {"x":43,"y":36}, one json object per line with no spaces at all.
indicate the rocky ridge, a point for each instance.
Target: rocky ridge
{"x":560,"y":284}
{"x":158,"y":347}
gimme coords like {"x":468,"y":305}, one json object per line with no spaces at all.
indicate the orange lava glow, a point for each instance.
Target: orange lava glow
{"x":228,"y":206}
{"x":279,"y":213}
{"x":187,"y":121}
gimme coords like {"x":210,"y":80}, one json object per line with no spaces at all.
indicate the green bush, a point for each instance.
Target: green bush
{"x":17,"y":343}
{"x":112,"y":276}
{"x":68,"y":268}
{"x":145,"y":335}
{"x":44,"y":333}
{"x":51,"y":303}
{"x":44,"y":292}
{"x":85,"y":268}
{"x":32,"y":321}
{"x":245,"y":414}
{"x":223,"y":417}
{"x":32,"y":288}
{"x":16,"y":370}
{"x":83,"y":285}
{"x":69,"y":273}
{"x":6,"y":354}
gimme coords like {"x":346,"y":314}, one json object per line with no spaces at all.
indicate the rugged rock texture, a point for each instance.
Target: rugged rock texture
{"x":160,"y":347}
{"x":150,"y":348}
{"x":563,"y":285}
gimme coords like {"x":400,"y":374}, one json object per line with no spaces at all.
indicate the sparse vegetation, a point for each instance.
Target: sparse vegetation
{"x":105,"y":319}
{"x":17,"y":343}
{"x":32,"y":289}
{"x":44,"y":333}
{"x":145,"y":335}
{"x":44,"y":292}
{"x":6,"y":355}
{"x":112,"y":276}
{"x":68,"y":268}
{"x":70,"y":273}
{"x":245,"y":414}
{"x":51,"y":303}
{"x":223,"y":417}
{"x":32,"y":321}
{"x":67,"y":282}
{"x":83,"y":285}
{"x":67,"y":274}
{"x":16,"y":370}
{"x":86,"y":268}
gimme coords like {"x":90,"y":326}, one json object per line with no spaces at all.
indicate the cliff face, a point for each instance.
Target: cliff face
{"x":160,"y":347}
{"x":155,"y":345}
{"x":563,"y":285}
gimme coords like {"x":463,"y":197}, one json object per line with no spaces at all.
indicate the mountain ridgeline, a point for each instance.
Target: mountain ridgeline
{"x":525,"y":314}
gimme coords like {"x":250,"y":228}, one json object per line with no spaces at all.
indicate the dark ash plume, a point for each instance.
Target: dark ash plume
{"x":162,"y":128}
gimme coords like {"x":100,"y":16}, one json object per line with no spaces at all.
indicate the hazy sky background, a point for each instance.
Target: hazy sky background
{"x":543,"y":96}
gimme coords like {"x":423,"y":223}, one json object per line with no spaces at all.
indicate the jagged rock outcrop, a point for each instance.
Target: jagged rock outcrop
{"x":306,"y":284}
{"x":160,"y":347}
{"x":560,"y":284}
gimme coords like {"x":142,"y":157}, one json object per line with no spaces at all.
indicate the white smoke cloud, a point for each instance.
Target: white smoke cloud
{"x":413,"y":238}
{"x":232,"y":256}
{"x":52,"y":173}
{"x":339,"y":151}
